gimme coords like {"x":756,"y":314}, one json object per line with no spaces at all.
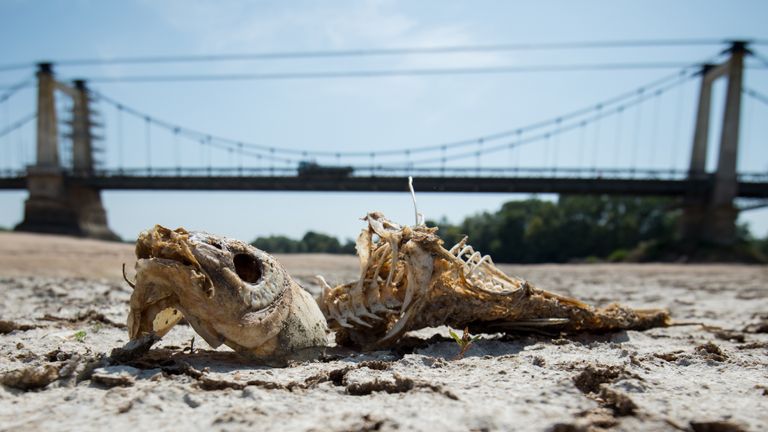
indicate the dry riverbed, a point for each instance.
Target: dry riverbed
{"x":64,"y":305}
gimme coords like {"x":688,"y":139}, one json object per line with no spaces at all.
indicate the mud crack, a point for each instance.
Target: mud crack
{"x":30,"y":377}
{"x":593,"y":382}
{"x":716,"y":426}
{"x":710,"y":351}
{"x":399,"y":384}
{"x":334,"y":376}
{"x":616,"y":401}
{"x":337,"y":377}
{"x":89,"y":316}
{"x":9,"y":326}
{"x":589,"y":380}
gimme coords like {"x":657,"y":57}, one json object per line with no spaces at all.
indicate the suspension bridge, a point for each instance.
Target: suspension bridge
{"x":64,"y":182}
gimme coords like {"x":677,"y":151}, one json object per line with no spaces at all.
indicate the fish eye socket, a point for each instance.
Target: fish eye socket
{"x":247,"y":267}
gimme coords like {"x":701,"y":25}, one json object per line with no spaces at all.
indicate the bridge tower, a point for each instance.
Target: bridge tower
{"x":56,"y":204}
{"x":709,"y":214}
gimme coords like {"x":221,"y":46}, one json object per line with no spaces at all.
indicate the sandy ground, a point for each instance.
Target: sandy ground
{"x":64,"y":304}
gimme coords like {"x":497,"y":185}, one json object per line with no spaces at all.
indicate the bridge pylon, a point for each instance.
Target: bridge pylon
{"x":709,"y":216}
{"x":56,"y":205}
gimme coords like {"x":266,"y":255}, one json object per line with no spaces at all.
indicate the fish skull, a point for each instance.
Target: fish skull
{"x":229,"y":291}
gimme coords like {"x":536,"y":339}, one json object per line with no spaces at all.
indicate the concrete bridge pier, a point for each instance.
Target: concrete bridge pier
{"x":709,"y":217}
{"x":55,"y":205}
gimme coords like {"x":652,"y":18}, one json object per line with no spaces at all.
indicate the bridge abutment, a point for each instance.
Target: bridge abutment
{"x":55,"y":205}
{"x":47,"y":209}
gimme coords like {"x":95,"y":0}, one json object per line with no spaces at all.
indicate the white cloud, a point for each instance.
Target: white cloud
{"x":238,"y":26}
{"x":247,"y":26}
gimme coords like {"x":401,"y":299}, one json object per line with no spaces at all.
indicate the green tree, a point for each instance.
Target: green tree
{"x":311,"y":242}
{"x":278,"y":244}
{"x":574,"y":227}
{"x":320,"y":243}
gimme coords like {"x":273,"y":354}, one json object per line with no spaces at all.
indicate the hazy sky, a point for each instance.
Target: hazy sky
{"x":368,"y":113}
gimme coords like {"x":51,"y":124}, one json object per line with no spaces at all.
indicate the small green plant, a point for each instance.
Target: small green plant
{"x":79,"y":335}
{"x":464,"y":341}
{"x":97,"y":327}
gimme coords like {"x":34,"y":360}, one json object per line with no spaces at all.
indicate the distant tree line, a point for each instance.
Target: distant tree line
{"x":762,"y":245}
{"x":312,"y":242}
{"x":573,"y":228}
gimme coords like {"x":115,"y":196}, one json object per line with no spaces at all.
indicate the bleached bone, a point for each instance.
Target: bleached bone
{"x":427,"y":285}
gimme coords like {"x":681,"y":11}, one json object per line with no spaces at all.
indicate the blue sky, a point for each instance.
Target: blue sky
{"x":369,"y":114}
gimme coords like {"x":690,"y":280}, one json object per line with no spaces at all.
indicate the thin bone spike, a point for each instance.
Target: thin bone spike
{"x":467,"y":260}
{"x":409,"y":294}
{"x":376,"y":300}
{"x":491,"y":269}
{"x":356,"y":302}
{"x":467,"y":249}
{"x":125,"y":277}
{"x":513,"y":285}
{"x":482,"y":260}
{"x":393,"y":265}
{"x":402,"y":324}
{"x":419,"y":216}
{"x":471,"y":259}
{"x":381,"y":253}
{"x":351,"y":316}
{"x":392,"y":300}
{"x":365,"y":313}
{"x":333,"y":311}
{"x":325,"y":290}
{"x":323,"y":285}
{"x":458,"y":245}
{"x":399,"y":275}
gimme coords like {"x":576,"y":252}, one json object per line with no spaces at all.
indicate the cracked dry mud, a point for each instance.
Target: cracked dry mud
{"x":61,"y":318}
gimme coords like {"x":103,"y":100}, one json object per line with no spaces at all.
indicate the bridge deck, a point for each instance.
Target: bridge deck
{"x":399,"y":184}
{"x":616,"y":186}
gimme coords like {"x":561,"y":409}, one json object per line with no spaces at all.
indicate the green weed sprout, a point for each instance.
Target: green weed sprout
{"x":79,"y":335}
{"x":464,"y":341}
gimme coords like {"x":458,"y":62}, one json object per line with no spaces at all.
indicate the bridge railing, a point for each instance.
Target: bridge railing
{"x":753,"y":177}
{"x":13,"y":173}
{"x":383,"y":171}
